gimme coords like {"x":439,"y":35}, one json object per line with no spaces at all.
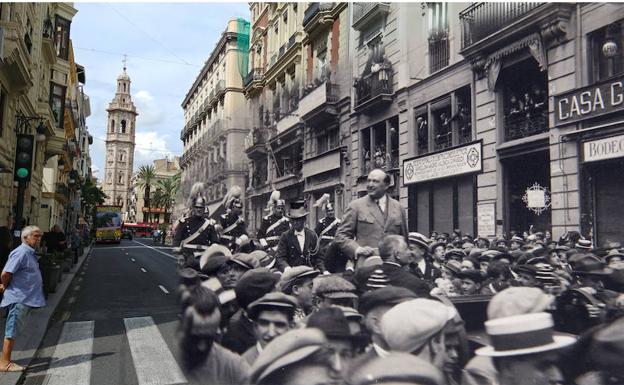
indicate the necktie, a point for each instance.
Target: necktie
{"x":379,"y":205}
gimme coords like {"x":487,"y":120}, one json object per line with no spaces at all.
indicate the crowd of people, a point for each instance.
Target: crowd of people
{"x":361,"y":300}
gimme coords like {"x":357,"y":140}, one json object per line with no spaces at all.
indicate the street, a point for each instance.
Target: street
{"x":117,"y":322}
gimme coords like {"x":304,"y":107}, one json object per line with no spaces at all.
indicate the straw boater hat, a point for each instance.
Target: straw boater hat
{"x":522,"y":334}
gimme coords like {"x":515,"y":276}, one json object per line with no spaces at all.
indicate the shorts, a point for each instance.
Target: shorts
{"x":16,"y":319}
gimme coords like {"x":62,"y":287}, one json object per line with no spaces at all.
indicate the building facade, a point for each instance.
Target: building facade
{"x":298,"y":92}
{"x":120,"y":141}
{"x":215,"y":119}
{"x":34,"y":99}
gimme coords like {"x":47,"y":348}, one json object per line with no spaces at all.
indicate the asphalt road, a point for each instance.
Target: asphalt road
{"x":118,"y":322}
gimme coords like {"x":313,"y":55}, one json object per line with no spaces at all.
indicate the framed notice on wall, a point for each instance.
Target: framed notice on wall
{"x":486,"y":219}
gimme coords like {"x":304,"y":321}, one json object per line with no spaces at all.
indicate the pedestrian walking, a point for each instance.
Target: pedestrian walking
{"x":22,"y":288}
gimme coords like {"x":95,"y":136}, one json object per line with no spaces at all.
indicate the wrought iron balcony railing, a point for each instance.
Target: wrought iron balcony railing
{"x":480,"y":20}
{"x":255,"y":74}
{"x":522,"y":125}
{"x":372,"y":85}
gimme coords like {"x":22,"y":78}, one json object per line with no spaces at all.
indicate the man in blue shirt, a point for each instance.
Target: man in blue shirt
{"x":22,"y":287}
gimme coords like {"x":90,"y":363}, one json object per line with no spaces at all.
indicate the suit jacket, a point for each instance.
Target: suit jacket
{"x":364,"y":224}
{"x":289,"y":252}
{"x":394,"y":275}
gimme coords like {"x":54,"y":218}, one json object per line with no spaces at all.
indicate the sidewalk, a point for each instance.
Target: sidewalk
{"x":37,"y":324}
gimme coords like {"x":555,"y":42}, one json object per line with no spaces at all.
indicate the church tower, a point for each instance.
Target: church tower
{"x":120,"y":145}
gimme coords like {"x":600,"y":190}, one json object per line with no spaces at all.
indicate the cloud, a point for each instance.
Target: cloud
{"x":151,"y":113}
{"x":150,"y":145}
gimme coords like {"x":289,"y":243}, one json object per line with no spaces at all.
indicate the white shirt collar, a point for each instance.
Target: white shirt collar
{"x":259,"y":347}
{"x":302,"y":232}
{"x":382,"y":201}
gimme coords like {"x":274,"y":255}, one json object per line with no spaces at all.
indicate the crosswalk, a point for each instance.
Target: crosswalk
{"x":153,"y":361}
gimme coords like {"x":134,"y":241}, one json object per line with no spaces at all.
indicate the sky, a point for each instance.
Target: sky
{"x":166,"y":44}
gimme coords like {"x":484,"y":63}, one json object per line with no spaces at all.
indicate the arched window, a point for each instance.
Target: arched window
{"x":121,"y":156}
{"x":123,"y":126}
{"x":124,"y":87}
{"x":120,"y":178}
{"x":112,"y":129}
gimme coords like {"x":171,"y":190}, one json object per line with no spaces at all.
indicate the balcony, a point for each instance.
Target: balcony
{"x":322,"y":10}
{"x":219,"y":88}
{"x":374,"y":89}
{"x":438,"y":52}
{"x":254,"y":77}
{"x":255,"y":142}
{"x":319,"y":101}
{"x":364,"y":13}
{"x":521,"y":125}
{"x":380,"y":159}
{"x":480,"y":20}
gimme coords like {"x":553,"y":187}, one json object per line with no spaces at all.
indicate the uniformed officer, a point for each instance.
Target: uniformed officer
{"x":274,"y":224}
{"x":234,"y":229}
{"x":326,"y":227}
{"x":194,"y":233}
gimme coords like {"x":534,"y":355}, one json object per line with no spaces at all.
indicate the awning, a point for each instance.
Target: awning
{"x":324,"y":163}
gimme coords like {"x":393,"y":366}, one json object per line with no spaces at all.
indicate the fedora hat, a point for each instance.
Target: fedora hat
{"x":297,"y":213}
{"x":591,"y":265}
{"x":522,"y":334}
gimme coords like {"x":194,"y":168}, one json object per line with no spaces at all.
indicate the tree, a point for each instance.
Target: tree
{"x":91,"y":196}
{"x":166,"y":191}
{"x":145,"y":180}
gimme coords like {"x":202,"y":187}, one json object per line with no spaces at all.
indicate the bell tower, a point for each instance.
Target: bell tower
{"x":120,"y":140}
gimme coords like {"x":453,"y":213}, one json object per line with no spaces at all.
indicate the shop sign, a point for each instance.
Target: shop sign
{"x":537,"y":198}
{"x":453,"y":162}
{"x":486,"y":219}
{"x":602,"y":149}
{"x":589,"y":102}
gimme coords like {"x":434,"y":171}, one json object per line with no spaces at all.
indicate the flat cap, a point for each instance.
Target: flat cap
{"x":291,"y":274}
{"x":213,"y":258}
{"x":287,"y":349}
{"x":518,"y":300}
{"x":246,"y":261}
{"x":409,"y":325}
{"x":333,"y":286}
{"x":386,"y":296}
{"x":273,"y":300}
{"x":253,"y":284}
{"x":264,"y":258}
{"x":332,"y":321}
{"x":397,"y":368}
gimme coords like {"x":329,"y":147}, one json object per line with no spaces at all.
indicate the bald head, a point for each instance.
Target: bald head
{"x":377,"y":183}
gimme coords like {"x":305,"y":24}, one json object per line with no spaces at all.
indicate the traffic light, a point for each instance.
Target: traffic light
{"x":23,"y":157}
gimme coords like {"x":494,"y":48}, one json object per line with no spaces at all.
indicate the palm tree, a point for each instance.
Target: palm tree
{"x":166,"y":191}
{"x":145,"y":179}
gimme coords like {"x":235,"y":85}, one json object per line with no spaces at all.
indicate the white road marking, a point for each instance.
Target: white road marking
{"x":143,"y":270}
{"x":153,"y":361}
{"x":155,"y":249}
{"x":71,"y":300}
{"x":77,"y":287}
{"x":163,"y":289}
{"x":73,"y":354}
{"x":133,"y":260}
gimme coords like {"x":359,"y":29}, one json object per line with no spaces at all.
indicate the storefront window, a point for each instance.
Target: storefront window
{"x":607,"y":51}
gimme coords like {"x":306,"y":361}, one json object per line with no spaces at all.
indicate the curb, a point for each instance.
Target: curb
{"x":37,"y":324}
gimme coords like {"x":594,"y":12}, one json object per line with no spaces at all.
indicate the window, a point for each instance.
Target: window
{"x":607,"y":51}
{"x":121,"y":156}
{"x":438,"y":36}
{"x":112,"y":127}
{"x":57,"y":103}
{"x":524,"y":99}
{"x":444,"y":123}
{"x":380,"y":146}
{"x":123,"y":126}
{"x":326,"y":140}
{"x":61,"y":37}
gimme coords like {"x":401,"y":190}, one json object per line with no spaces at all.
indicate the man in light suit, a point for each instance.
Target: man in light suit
{"x":368,"y":219}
